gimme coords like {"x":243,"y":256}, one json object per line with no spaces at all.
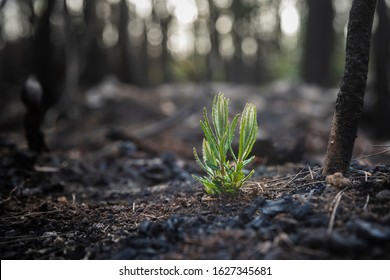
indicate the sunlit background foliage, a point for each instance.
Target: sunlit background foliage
{"x":149,"y":42}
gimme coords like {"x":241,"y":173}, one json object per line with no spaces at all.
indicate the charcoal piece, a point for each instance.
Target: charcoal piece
{"x":246,"y":216}
{"x":350,"y":243}
{"x":173,"y":223}
{"x":274,"y":207}
{"x":174,"y":228}
{"x":156,"y":229}
{"x":372,"y":231}
{"x":285,"y":223}
{"x":316,"y":220}
{"x":302,"y":211}
{"x":151,"y":229}
{"x":144,"y":227}
{"x":255,"y":205}
{"x":314,"y":239}
{"x":379,"y":168}
{"x":259,"y":222}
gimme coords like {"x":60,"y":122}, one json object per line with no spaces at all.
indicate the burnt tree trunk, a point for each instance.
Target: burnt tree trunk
{"x":40,"y":90}
{"x":319,"y":43}
{"x":93,"y":57}
{"x":124,"y":71}
{"x":381,"y":46}
{"x":213,"y":57}
{"x":350,"y":99}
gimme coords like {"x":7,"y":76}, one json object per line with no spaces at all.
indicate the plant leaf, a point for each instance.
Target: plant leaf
{"x":248,"y":131}
{"x":247,"y":161}
{"x":208,"y":154}
{"x":247,"y":176}
{"x":219,"y":114}
{"x":200,"y":163}
{"x":208,"y":132}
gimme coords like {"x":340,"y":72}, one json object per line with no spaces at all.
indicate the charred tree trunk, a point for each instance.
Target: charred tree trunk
{"x":49,"y":62}
{"x":213,"y":57}
{"x":382,"y":70}
{"x":72,"y":55}
{"x":93,"y":61}
{"x":40,"y":91}
{"x":124,"y":71}
{"x":350,"y":99}
{"x":319,"y":42}
{"x":165,"y":56}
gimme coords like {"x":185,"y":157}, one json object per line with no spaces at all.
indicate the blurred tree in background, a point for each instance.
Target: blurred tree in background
{"x":149,"y":42}
{"x":382,"y":69}
{"x":319,"y":42}
{"x":155,"y":41}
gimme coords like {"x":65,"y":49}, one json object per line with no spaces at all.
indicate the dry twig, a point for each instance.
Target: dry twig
{"x":334,"y":211}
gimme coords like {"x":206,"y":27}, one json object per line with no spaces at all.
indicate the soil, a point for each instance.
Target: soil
{"x":105,"y":192}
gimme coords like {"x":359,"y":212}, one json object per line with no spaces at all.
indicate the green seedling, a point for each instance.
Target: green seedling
{"x":226,"y":174}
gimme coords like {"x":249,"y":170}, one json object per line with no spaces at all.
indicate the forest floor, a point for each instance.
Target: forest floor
{"x":117,"y":183}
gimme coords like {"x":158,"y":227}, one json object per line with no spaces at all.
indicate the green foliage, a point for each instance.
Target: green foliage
{"x":226,"y":175}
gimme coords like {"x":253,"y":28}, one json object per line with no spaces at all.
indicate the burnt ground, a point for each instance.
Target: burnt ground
{"x":117,"y":185}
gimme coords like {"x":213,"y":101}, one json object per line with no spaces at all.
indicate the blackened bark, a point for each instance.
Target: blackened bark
{"x":72,"y":55}
{"x":213,"y":57}
{"x":43,"y":66}
{"x":93,"y":57}
{"x":40,"y":90}
{"x":124,"y":73}
{"x":319,"y":42}
{"x":165,"y":56}
{"x":381,"y":46}
{"x":349,"y":103}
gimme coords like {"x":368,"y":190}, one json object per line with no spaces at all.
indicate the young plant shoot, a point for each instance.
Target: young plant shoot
{"x":226,"y":174}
